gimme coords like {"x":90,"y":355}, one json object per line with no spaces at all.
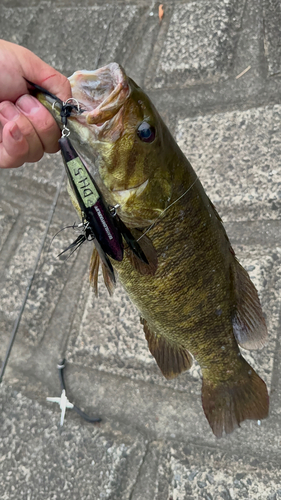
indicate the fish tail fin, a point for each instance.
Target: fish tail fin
{"x":228,"y":403}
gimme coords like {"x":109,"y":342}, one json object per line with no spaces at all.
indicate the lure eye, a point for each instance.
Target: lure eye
{"x":146,"y":132}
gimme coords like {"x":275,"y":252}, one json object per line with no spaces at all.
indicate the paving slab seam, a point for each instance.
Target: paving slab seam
{"x":147,"y":443}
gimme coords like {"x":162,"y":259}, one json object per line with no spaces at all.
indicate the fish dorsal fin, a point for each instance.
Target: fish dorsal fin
{"x":94,"y":273}
{"x":172,"y":360}
{"x":248,"y":323}
{"x":149,"y":251}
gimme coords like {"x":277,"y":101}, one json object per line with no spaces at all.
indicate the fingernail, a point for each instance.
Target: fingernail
{"x":9,"y":111}
{"x":28,"y":104}
{"x":16,"y":133}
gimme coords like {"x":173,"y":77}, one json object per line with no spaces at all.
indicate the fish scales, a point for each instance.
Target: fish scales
{"x":198,"y":300}
{"x":194,"y":298}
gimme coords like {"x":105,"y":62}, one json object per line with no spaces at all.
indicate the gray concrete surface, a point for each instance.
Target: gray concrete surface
{"x":154,"y":442}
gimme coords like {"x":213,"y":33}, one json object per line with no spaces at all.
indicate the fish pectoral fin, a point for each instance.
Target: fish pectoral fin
{"x":229,"y":403}
{"x":148,"y":250}
{"x":248,"y":322}
{"x":172,"y":360}
{"x":94,"y":273}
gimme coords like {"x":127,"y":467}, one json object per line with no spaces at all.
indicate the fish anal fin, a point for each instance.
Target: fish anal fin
{"x":94,"y":274}
{"x":228,"y":404}
{"x":148,"y":250}
{"x":172,"y":360}
{"x":249,"y":325}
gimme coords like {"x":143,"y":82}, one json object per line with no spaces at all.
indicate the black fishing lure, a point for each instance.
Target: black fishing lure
{"x":97,"y":221}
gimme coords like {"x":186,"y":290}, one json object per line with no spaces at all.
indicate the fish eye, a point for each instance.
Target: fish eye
{"x":146,"y":132}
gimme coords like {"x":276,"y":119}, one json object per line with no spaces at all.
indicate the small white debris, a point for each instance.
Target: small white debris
{"x":63,"y":403}
{"x":243,"y":72}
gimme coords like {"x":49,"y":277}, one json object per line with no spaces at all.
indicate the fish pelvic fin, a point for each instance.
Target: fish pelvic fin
{"x":249,"y":325}
{"x":94,"y":274}
{"x":94,"y":270}
{"x":148,"y":250}
{"x":172,"y":360}
{"x":110,"y":285}
{"x":229,"y":403}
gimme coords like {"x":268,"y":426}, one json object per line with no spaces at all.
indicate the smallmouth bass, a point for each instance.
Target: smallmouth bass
{"x":194,"y":298}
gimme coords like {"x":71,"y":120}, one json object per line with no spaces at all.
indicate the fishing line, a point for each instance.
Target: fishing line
{"x":31,"y":279}
{"x":167,"y":208}
{"x":52,"y":211}
{"x":73,"y":226}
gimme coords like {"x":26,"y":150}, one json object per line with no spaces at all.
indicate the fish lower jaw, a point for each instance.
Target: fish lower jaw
{"x":123,"y":195}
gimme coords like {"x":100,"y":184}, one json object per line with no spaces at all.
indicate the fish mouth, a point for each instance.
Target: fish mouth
{"x":100,"y":93}
{"x":122,"y":195}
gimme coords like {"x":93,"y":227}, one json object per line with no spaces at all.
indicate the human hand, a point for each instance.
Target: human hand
{"x":27,"y":129}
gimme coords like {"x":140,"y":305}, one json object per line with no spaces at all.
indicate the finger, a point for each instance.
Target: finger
{"x":56,"y":83}
{"x":17,"y":63}
{"x":16,"y":142}
{"x":42,"y":121}
{"x":9,"y":113}
{"x":37,"y":71}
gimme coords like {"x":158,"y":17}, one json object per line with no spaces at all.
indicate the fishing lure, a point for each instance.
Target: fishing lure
{"x":96,"y":218}
{"x":95,"y":214}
